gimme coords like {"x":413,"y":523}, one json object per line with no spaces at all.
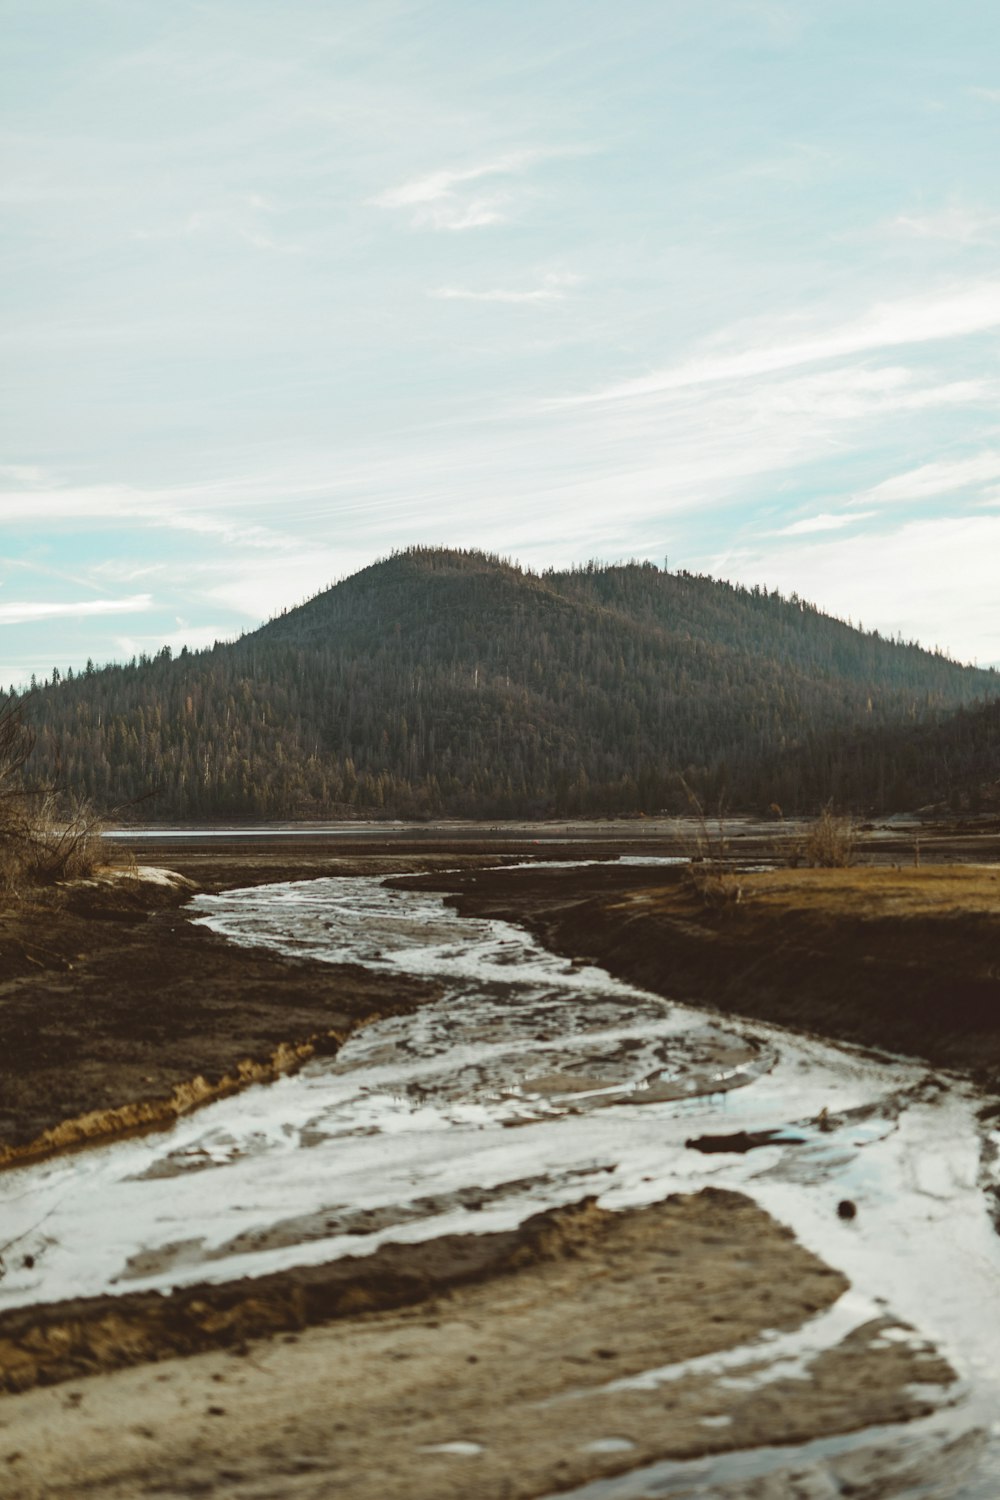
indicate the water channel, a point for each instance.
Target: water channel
{"x":532,"y":1082}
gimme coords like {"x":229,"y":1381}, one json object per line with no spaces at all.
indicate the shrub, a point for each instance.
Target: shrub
{"x":43,"y":836}
{"x":829,"y":844}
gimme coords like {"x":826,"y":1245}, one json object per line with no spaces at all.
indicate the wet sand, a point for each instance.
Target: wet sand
{"x":498,"y":1387}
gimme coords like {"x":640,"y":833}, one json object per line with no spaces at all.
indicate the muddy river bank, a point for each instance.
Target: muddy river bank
{"x":905,"y":958}
{"x":535,"y":1228}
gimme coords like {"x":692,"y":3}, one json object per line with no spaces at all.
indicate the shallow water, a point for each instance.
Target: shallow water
{"x":531,"y":1082}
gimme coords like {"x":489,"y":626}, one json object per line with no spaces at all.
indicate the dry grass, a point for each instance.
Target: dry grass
{"x":708,"y":869}
{"x":43,"y":836}
{"x":830,"y":843}
{"x":871,"y":891}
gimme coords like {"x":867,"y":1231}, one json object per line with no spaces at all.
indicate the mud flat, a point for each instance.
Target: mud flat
{"x":531,"y":1353}
{"x":117,"y":1014}
{"x":528,"y":1371}
{"x":904,"y":958}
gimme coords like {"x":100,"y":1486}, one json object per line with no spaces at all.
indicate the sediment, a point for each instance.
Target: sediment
{"x":496,"y":1383}
{"x":118,"y":1014}
{"x":42,"y":1345}
{"x":904,"y":959}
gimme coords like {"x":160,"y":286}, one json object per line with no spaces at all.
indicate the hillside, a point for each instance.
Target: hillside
{"x":454,"y":682}
{"x":947,"y":760}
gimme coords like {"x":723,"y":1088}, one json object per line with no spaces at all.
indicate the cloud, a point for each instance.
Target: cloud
{"x":940,"y":478}
{"x":239,"y":533}
{"x":956,"y":225}
{"x":234,"y":217}
{"x":931,"y":580}
{"x":992,"y":94}
{"x":825,"y":522}
{"x":910,"y":320}
{"x":125,"y":570}
{"x":552,"y":289}
{"x":22,"y":473}
{"x":440,"y":200}
{"x":200,"y":509}
{"x":848,"y":392}
{"x":28,"y":611}
{"x":194,"y":223}
{"x":799,"y":164}
{"x":782,"y":23}
{"x":437,"y":185}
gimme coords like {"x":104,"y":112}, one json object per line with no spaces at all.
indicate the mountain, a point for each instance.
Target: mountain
{"x":446,"y":681}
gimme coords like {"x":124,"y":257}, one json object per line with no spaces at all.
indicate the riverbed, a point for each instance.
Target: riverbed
{"x":532,"y":1082}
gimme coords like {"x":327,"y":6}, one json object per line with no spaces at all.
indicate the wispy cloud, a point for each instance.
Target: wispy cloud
{"x":982,"y":93}
{"x":911,"y":320}
{"x":192,"y":223}
{"x":451,"y":199}
{"x":824,"y":522}
{"x":783,"y":23}
{"x":956,"y":225}
{"x":929,"y":480}
{"x":22,"y":473}
{"x":553,"y":288}
{"x":195,"y":637}
{"x":902,"y":580}
{"x":233,"y":217}
{"x":853,"y":391}
{"x":239,"y":533}
{"x":434,"y":186}
{"x":28,"y":611}
{"x":798,"y":164}
{"x":203,"y":509}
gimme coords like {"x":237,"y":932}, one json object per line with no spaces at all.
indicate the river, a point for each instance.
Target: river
{"x":531,"y":1082}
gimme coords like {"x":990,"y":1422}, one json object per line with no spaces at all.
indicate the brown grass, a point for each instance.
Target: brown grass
{"x":44,"y":835}
{"x":935,"y":891}
{"x":830,"y":843}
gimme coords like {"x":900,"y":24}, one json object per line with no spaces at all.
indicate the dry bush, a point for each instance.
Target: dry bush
{"x":42,"y":837}
{"x":709,"y":869}
{"x":709,"y":846}
{"x":830,"y":842}
{"x":64,"y":842}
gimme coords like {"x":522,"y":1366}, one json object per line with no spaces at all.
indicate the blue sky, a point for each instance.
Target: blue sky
{"x":286,"y":286}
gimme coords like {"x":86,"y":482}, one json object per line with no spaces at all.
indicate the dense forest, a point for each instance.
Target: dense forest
{"x":454,"y":682}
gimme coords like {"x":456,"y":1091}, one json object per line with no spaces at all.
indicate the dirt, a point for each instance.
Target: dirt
{"x":42,"y":1345}
{"x":903,"y":958}
{"x":498,"y":1386}
{"x":117,"y":1014}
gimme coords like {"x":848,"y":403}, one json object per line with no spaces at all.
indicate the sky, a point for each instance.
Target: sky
{"x":288,"y":286}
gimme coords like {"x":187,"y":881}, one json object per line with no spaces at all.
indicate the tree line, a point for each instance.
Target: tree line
{"x":446,"y":682}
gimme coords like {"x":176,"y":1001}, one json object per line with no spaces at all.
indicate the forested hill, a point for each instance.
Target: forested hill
{"x":442,"y":681}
